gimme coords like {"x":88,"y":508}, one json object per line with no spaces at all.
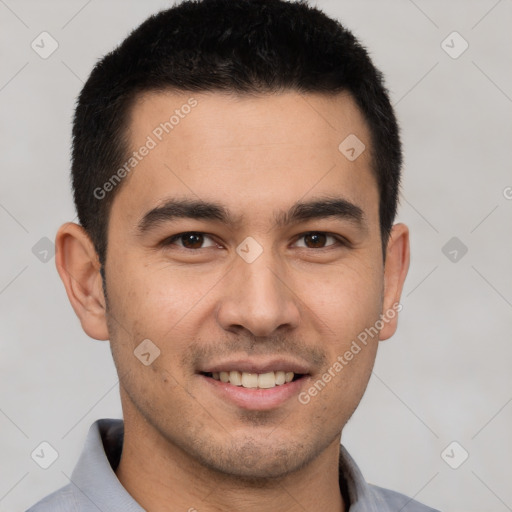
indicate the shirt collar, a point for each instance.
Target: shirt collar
{"x":94,"y":475}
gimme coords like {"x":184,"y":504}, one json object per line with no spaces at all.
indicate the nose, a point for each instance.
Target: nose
{"x":258,"y":297}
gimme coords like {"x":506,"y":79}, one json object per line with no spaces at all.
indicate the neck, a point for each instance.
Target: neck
{"x":162,"y":477}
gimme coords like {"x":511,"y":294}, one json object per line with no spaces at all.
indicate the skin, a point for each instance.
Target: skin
{"x":185,"y":446}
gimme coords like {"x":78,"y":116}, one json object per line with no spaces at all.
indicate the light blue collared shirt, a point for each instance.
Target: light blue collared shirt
{"x":94,"y":486}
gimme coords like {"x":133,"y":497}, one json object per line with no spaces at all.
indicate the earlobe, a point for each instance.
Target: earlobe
{"x":78,"y":266}
{"x":395,"y":272}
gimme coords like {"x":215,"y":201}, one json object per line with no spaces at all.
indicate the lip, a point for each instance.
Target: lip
{"x":255,"y":399}
{"x":257,"y":366}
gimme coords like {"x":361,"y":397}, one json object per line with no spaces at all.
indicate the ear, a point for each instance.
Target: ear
{"x":395,"y":271}
{"x":79,"y":268}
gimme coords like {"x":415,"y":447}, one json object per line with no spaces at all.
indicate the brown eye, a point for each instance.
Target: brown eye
{"x":317,"y":240}
{"x":190,"y":240}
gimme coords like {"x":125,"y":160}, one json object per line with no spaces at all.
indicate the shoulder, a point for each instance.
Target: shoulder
{"x":394,"y":501}
{"x":64,"y":499}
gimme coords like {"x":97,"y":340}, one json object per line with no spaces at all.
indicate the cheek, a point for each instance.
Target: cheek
{"x":153,"y":299}
{"x":346,"y":306}
{"x":345,"y":301}
{"x":163,"y":304}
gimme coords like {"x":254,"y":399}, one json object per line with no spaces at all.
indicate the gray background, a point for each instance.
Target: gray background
{"x":444,"y":377}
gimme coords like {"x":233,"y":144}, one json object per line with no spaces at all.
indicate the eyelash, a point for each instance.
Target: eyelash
{"x":340,"y":242}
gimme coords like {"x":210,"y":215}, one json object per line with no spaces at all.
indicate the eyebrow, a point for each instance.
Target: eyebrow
{"x":321,"y":208}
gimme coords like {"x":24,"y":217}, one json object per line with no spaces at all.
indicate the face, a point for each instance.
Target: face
{"x":246,"y":246}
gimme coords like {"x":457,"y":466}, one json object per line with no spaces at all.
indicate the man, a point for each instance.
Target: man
{"x":236,"y":166}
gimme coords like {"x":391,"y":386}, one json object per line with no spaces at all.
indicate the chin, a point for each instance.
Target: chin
{"x":255,"y":461}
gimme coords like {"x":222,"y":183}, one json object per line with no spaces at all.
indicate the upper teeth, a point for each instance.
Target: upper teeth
{"x":254,"y":380}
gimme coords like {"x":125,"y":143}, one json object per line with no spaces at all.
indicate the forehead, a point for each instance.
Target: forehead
{"x":222,"y":120}
{"x":246,"y":152}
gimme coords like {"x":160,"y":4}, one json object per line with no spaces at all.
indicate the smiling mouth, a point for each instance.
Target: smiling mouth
{"x":255,"y":380}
